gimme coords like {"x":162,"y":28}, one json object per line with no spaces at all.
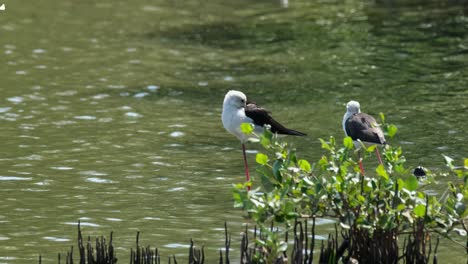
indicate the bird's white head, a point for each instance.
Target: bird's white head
{"x":353,"y":107}
{"x":235,"y":99}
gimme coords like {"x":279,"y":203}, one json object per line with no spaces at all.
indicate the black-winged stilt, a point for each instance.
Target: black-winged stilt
{"x":236,"y":110}
{"x":362,"y":127}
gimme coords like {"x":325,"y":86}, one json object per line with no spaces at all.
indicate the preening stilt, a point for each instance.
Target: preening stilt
{"x":236,"y":110}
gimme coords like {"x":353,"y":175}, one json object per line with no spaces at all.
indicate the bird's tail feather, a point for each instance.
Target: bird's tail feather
{"x":295,"y":133}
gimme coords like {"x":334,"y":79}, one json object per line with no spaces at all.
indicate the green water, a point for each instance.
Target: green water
{"x":110,"y":110}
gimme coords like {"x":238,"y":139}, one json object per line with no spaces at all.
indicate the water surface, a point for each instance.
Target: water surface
{"x":110,"y":111}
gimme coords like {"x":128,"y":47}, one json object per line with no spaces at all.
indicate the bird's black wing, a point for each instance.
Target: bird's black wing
{"x":365,"y":128}
{"x":262,"y":117}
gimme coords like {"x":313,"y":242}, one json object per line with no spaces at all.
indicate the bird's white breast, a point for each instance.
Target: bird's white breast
{"x":345,"y":117}
{"x":232,"y":119}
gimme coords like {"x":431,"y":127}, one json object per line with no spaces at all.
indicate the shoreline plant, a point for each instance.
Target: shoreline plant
{"x":373,"y":211}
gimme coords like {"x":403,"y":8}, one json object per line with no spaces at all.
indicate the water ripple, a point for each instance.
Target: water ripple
{"x":152,"y":88}
{"x":4,"y":109}
{"x":61,"y":168}
{"x":98,"y":180}
{"x":83,"y":224}
{"x":32,"y":157}
{"x":176,"y":189}
{"x":100,"y":96}
{"x":85,"y":117}
{"x":153,"y":218}
{"x":67,"y":93}
{"x":177,"y":134}
{"x":141,"y":95}
{"x":39,"y":51}
{"x":176,"y":245}
{"x":63,"y":123}
{"x":16,"y":99}
{"x":133,"y":114}
{"x":92,"y":173}
{"x":56,"y":239}
{"x":10,"y":116}
{"x":14,"y":178}
{"x":114,"y":219}
{"x":160,"y":163}
{"x":178,"y":125}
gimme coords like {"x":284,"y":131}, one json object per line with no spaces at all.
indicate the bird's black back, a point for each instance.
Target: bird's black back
{"x":262,"y":117}
{"x":365,"y":128}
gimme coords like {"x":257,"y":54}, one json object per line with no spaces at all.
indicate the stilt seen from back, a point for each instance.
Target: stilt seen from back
{"x":362,"y":127}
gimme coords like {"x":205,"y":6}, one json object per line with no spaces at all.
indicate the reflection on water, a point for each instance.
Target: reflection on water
{"x":116,"y":122}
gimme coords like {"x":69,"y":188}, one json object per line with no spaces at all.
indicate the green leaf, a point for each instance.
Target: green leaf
{"x":344,"y":226}
{"x":260,"y":242}
{"x":261,"y":159}
{"x":283,"y":247}
{"x":420,"y":210}
{"x":400,"y":169}
{"x":382,"y":117}
{"x":265,"y":141}
{"x":408,"y":216}
{"x":238,"y":186}
{"x":325,"y":145}
{"x":258,"y":203}
{"x":248,"y":184}
{"x":292,"y":215}
{"x":391,"y":130}
{"x":412,"y":183}
{"x":466,"y":164}
{"x":459,"y":173}
{"x":237,"y":197}
{"x":460,"y":232}
{"x":266,"y":177}
{"x":448,"y":161}
{"x":400,"y":207}
{"x":401,"y":184}
{"x":247,"y":128}
{"x":323,"y":162}
{"x":361,"y":198}
{"x":304,"y":165}
{"x":381,"y":172}
{"x":371,"y":148}
{"x":277,"y":165}
{"x":460,"y":208}
{"x":307,"y":181}
{"x":421,"y":195}
{"x":348,"y":142}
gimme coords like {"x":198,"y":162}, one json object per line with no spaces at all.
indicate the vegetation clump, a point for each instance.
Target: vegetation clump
{"x":374,"y":211}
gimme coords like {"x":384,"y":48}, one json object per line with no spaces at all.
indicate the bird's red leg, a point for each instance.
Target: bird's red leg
{"x":361,"y":167}
{"x":247,"y":176}
{"x":378,"y":155}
